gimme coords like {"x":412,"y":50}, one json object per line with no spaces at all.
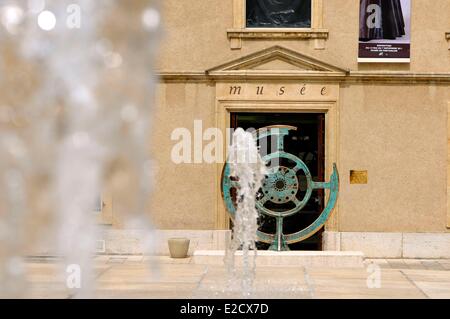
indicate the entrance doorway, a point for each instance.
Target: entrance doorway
{"x":308,"y":144}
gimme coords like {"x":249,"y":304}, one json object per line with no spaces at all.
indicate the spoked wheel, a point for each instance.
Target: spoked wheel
{"x":286,"y":189}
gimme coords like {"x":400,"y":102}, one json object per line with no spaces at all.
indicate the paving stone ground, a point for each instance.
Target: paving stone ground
{"x":163,"y":277}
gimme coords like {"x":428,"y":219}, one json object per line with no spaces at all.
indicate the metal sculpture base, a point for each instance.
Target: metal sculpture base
{"x":279,"y":244}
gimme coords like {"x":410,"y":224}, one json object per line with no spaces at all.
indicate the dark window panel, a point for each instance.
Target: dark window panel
{"x":278,"y":13}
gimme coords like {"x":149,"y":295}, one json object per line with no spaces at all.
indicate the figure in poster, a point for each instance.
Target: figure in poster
{"x":381,"y":19}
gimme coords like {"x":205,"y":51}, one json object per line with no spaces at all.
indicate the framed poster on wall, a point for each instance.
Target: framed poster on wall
{"x":384,"y":31}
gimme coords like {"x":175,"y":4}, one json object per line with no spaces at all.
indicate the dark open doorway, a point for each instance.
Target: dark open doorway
{"x":308,"y":144}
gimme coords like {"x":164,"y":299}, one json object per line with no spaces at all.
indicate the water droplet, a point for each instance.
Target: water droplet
{"x":15,"y":146}
{"x":151,"y":19}
{"x":80,"y":139}
{"x":103,"y":46}
{"x":83,"y":96}
{"x":15,"y":266}
{"x":112,"y":60}
{"x":11,"y":16}
{"x":46,"y":20}
{"x":129,"y":113}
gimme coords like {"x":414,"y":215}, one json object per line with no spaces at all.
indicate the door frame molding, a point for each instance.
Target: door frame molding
{"x":224,"y":108}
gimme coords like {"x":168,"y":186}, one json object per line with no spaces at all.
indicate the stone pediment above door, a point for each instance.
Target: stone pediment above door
{"x":277,"y":62}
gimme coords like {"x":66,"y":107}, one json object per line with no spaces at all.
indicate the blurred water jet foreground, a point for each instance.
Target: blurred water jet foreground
{"x":76,"y":94}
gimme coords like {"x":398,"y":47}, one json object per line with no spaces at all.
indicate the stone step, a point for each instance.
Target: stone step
{"x":316,"y":259}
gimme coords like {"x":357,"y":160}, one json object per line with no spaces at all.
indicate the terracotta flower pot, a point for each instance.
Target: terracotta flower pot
{"x":178,"y":247}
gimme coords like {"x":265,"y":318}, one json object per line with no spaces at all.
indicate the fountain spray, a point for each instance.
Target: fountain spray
{"x":75,"y":114}
{"x":248,"y":168}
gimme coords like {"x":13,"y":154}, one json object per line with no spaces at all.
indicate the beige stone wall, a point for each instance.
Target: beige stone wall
{"x":397,"y":133}
{"x":396,"y":130}
{"x":184,"y":196}
{"x":195,"y":36}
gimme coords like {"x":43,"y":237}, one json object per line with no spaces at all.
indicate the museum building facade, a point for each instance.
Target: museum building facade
{"x":364,"y":84}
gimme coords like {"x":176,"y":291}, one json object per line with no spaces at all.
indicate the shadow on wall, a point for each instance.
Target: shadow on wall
{"x":384,"y":67}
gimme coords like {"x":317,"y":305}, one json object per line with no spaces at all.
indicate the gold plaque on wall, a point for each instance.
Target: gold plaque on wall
{"x":358,"y":177}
